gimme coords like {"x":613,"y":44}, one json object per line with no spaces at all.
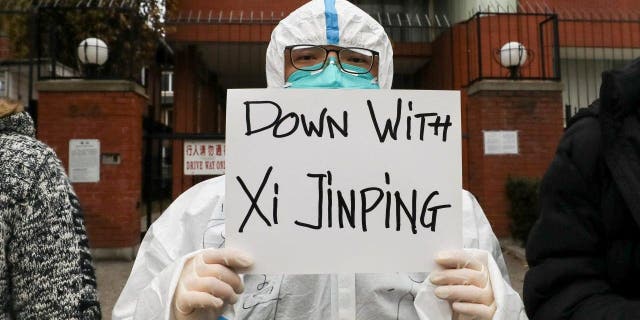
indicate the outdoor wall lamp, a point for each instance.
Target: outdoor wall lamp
{"x":92,"y":53}
{"x":513,"y":55}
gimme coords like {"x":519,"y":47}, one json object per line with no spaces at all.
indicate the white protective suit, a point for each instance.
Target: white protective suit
{"x":195,"y":221}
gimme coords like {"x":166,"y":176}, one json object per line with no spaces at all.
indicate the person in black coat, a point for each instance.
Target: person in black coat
{"x":584,"y":250}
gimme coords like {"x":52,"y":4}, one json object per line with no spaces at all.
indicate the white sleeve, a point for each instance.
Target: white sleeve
{"x":480,"y":236}
{"x":477,"y":232}
{"x":175,"y":236}
{"x":476,"y":235}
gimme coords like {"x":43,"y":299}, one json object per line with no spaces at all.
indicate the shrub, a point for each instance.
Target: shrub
{"x":524,"y":210}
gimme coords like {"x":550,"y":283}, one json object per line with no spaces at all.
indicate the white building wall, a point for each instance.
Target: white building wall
{"x":581,"y":72}
{"x":18,"y":84}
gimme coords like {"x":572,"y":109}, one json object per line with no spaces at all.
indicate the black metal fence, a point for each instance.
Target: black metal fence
{"x":412,"y":27}
{"x":158,"y":167}
{"x":400,"y":27}
{"x":591,"y":43}
{"x":119,"y":27}
{"x":47,"y":35}
{"x":17,"y":73}
{"x":486,"y":35}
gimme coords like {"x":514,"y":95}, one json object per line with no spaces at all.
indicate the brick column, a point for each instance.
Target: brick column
{"x":534,"y":110}
{"x":110,"y":111}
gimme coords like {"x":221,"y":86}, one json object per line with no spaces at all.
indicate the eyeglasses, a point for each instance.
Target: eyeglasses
{"x":312,"y":57}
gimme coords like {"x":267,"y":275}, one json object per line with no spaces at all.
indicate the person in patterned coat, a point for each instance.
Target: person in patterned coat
{"x":45,"y":264}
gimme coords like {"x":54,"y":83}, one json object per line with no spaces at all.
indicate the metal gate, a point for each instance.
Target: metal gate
{"x":45,"y":47}
{"x":158,"y":186}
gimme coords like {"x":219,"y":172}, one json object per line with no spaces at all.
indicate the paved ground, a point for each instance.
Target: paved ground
{"x":517,"y":268}
{"x":112,"y":276}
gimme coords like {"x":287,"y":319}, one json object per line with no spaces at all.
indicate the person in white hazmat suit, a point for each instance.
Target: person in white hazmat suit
{"x":183,"y":271}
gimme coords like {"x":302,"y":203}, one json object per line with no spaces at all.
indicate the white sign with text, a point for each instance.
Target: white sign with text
{"x":500,"y":142}
{"x":84,"y":160}
{"x":203,"y":157}
{"x":342,"y":181}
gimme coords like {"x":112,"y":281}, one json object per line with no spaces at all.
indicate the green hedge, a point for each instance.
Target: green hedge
{"x":523,"y":211}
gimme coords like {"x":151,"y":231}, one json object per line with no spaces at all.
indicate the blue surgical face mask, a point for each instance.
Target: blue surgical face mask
{"x":332,"y":77}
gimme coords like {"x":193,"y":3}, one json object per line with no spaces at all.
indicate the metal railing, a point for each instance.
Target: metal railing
{"x":406,"y":27}
{"x":591,"y":43}
{"x":400,"y":27}
{"x":485,"y":33}
{"x":157,"y":176}
{"x":53,"y":29}
{"x":17,"y":73}
{"x":60,"y":47}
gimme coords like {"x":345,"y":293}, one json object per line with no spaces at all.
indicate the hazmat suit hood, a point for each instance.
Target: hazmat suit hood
{"x":324,"y":22}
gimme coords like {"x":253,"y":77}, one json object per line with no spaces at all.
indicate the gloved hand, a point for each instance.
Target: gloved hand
{"x":465,"y":283}
{"x":207,"y":282}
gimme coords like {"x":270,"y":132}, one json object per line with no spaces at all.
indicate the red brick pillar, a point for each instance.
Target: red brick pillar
{"x":534,"y":110}
{"x":111,"y":112}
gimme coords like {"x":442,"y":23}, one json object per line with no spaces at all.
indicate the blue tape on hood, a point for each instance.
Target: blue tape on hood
{"x":331,"y":17}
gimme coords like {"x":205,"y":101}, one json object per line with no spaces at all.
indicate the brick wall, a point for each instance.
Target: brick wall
{"x":616,"y":22}
{"x":111,"y":206}
{"x":537,"y":116}
{"x":600,"y":34}
{"x":4,"y":48}
{"x":591,"y":5}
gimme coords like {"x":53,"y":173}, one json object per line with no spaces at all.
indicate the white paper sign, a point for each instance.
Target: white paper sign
{"x":203,"y":157}
{"x":500,"y":142}
{"x":84,"y":160}
{"x":331,"y":181}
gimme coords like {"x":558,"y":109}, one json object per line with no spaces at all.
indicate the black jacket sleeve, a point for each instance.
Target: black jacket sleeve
{"x":567,"y":252}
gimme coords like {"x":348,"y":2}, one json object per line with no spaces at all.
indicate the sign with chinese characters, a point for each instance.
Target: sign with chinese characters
{"x":84,"y":160}
{"x":342,"y":181}
{"x":204,"y":157}
{"x":500,"y":142}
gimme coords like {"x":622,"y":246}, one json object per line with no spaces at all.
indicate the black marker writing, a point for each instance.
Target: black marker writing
{"x":420,"y":211}
{"x":254,"y":200}
{"x":275,"y":203}
{"x":392,"y":126}
{"x":284,"y":126}
{"x":319,"y":224}
{"x":434,"y":212}
{"x":444,"y":125}
{"x":368,"y":208}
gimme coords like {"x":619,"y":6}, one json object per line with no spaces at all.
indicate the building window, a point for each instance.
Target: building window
{"x":143,"y":76}
{"x":167,"y":81}
{"x":167,"y":116}
{"x":166,"y":93}
{"x":4,"y":83}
